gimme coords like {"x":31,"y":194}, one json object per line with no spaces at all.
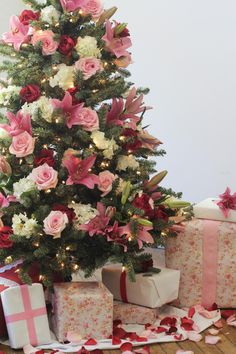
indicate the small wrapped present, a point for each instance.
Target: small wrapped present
{"x":85,"y":308}
{"x":205,"y":254}
{"x":26,"y":315}
{"x":150,"y":289}
{"x":133,"y":314}
{"x":208,"y":209}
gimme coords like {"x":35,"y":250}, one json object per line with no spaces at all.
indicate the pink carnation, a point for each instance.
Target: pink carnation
{"x":89,"y":66}
{"x":106,"y":178}
{"x":71,"y":5}
{"x":22,"y":145}
{"x":55,"y":223}
{"x":87,"y":118}
{"x":49,"y":46}
{"x":44,"y":176}
{"x":92,"y":7}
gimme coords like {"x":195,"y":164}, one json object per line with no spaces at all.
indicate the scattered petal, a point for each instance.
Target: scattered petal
{"x":218,"y":324}
{"x":168,"y":321}
{"x":119,"y":333}
{"x":91,"y":341}
{"x":206,"y":313}
{"x":116,"y":341}
{"x":171,"y":330}
{"x":191,"y":312}
{"x":187,"y":324}
{"x":213,"y":307}
{"x":178,"y":336}
{"x":227,"y":313}
{"x":194,"y":336}
{"x":144,"y":350}
{"x":160,"y":330}
{"x":212,"y":339}
{"x":117,"y":323}
{"x":231,"y":321}
{"x":180,"y":351}
{"x":213,"y":331}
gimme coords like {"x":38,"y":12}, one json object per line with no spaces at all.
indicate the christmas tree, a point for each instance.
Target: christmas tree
{"x":76,"y":158}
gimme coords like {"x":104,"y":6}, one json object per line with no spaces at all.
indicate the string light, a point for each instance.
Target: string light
{"x":76,"y":267}
{"x":122,"y":138}
{"x":48,"y":191}
{"x":45,"y":146}
{"x":43,"y":81}
{"x":138,"y":173}
{"x":130,"y":151}
{"x":56,"y":120}
{"x":57,"y":24}
{"x":81,"y":12}
{"x":130,"y":239}
{"x":20,"y":161}
{"x":41,"y":277}
{"x":55,"y":67}
{"x":72,"y":202}
{"x":163,"y":234}
{"x":105,"y":64}
{"x":20,"y":66}
{"x":24,"y":45}
{"x":8,"y":260}
{"x":63,"y":182}
{"x":123,"y":269}
{"x":94,"y":91}
{"x":103,"y":164}
{"x":68,"y":248}
{"x":62,"y":264}
{"x":90,"y":146}
{"x":13,"y":55}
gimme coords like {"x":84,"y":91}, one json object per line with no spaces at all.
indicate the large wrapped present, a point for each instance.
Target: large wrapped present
{"x":209,"y":209}
{"x":205,"y":253}
{"x":85,"y":308}
{"x":134,"y":314}
{"x":150,"y":290}
{"x":26,"y":315}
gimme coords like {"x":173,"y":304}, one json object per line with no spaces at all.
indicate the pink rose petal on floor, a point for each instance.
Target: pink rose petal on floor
{"x":213,"y":331}
{"x":178,"y":336}
{"x":191,"y":312}
{"x":180,"y":351}
{"x":231,"y":321}
{"x":205,"y":313}
{"x":194,"y":336}
{"x":227,"y":313}
{"x":218,"y":324}
{"x":212,"y":339}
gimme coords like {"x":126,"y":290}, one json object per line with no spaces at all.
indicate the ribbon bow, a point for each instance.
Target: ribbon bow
{"x":227,"y":202}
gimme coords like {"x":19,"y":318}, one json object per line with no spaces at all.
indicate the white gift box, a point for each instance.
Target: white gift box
{"x":208,"y":209}
{"x":150,"y":291}
{"x":26,"y":315}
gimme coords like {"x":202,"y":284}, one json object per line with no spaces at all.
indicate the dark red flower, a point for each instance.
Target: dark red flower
{"x":64,"y":209}
{"x":73,"y":91}
{"x":28,"y":15}
{"x":131,"y":142}
{"x":5,"y":233}
{"x":143,"y":202}
{"x":126,"y":347}
{"x":66,"y":45}
{"x":30,"y":93}
{"x":160,"y":214}
{"x":45,"y":156}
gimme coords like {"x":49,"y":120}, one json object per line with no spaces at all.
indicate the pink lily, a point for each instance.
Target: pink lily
{"x":4,"y":203}
{"x":148,"y":141}
{"x":79,"y":171}
{"x":97,"y":225}
{"x":19,"y":123}
{"x":142,"y":234}
{"x":117,"y":46}
{"x":19,"y":33}
{"x":71,"y":5}
{"x":113,"y":235}
{"x":71,"y":111}
{"x":227,"y":202}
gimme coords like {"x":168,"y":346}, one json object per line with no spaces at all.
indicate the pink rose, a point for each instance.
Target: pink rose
{"x":71,"y":5}
{"x":89,"y":66}
{"x":22,"y":145}
{"x":5,"y":168}
{"x":55,"y":223}
{"x":88,"y":119}
{"x":44,"y":176}
{"x":92,"y":7}
{"x":106,"y":178}
{"x":49,"y":46}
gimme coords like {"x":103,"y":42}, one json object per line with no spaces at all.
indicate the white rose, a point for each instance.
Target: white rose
{"x":125,"y":162}
{"x":42,"y":106}
{"x":50,"y":15}
{"x":87,"y":47}
{"x":64,"y":77}
{"x":7,"y":93}
{"x":109,"y":151}
{"x":84,"y":213}
{"x":23,"y":226}
{"x":108,"y":146}
{"x":24,"y":185}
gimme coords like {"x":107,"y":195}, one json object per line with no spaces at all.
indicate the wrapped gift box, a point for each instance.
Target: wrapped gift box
{"x":133,"y":314}
{"x":85,"y":308}
{"x":208,"y":209}
{"x":205,"y":253}
{"x":26,"y":315}
{"x":151,"y":291}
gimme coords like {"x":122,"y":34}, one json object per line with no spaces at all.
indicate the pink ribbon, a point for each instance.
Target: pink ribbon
{"x":28,"y":315}
{"x":210,"y":262}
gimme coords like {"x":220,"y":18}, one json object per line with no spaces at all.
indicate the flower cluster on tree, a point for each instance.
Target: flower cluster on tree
{"x":75,"y":161}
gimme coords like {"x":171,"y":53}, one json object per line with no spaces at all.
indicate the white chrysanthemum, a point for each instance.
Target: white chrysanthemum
{"x":84,"y":213}
{"x":24,"y":185}
{"x":108,"y":146}
{"x":50,"y":14}
{"x":7,"y":93}
{"x":23,"y":226}
{"x":125,"y":162}
{"x":87,"y":47}
{"x":42,"y":106}
{"x":64,"y":78}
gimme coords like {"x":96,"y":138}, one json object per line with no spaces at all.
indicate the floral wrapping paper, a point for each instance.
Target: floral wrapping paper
{"x":134,"y":314}
{"x":184,"y":252}
{"x":84,"y":308}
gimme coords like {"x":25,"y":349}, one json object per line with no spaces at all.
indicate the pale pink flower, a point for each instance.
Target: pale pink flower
{"x":19,"y":33}
{"x":66,"y":106}
{"x":71,"y":5}
{"x":4,"y":202}
{"x":55,"y":223}
{"x":89,"y":66}
{"x":44,"y":176}
{"x":117,"y":46}
{"x":49,"y":45}
{"x":105,"y":180}
{"x":142,"y":233}
{"x":5,"y":167}
{"x":148,"y":141}
{"x":22,"y":145}
{"x":97,"y":225}
{"x":87,"y":119}
{"x":19,"y":123}
{"x":227,"y":202}
{"x":92,"y":7}
{"x":79,"y":170}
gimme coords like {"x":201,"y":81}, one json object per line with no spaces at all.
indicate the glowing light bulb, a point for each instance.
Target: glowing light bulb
{"x":43,"y":81}
{"x":138,"y":173}
{"x":76,"y":267}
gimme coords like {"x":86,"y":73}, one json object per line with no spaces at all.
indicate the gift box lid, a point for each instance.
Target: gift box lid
{"x":208,"y":209}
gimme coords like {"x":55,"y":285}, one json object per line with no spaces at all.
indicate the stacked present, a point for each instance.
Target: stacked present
{"x":205,"y":253}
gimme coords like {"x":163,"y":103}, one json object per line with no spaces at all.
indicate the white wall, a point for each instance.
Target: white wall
{"x":185,"y":51}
